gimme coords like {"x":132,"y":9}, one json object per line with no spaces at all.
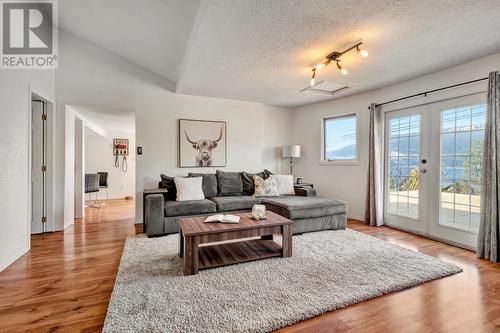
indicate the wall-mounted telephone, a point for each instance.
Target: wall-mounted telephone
{"x":120,"y":149}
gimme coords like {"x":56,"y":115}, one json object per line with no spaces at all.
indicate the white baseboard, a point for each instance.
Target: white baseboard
{"x":7,"y":262}
{"x":354,"y":217}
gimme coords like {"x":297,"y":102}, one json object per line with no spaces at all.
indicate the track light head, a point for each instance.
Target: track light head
{"x":362,"y":52}
{"x":319,"y":67}
{"x":342,"y":69}
{"x":313,"y":76}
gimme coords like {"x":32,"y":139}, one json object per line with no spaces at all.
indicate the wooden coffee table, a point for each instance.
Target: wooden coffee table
{"x":194,"y":232}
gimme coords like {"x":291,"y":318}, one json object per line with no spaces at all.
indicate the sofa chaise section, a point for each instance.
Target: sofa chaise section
{"x":310,"y":213}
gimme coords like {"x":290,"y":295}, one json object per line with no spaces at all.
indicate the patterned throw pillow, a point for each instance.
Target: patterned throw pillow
{"x":265,"y":188}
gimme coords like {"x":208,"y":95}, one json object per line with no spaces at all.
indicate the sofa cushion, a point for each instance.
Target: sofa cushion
{"x":168,"y":183}
{"x":229,"y":183}
{"x":209,"y":183}
{"x":225,"y":204}
{"x":192,"y":207}
{"x":248,"y":182}
{"x":295,"y":207}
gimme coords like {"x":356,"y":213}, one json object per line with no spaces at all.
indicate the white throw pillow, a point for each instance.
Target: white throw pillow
{"x":265,"y":188}
{"x":284,"y":183}
{"x":189,"y":188}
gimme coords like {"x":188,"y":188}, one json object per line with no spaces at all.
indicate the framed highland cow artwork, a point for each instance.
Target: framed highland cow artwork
{"x":202,"y":143}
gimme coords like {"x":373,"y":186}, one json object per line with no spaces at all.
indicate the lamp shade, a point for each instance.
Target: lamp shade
{"x":291,"y":151}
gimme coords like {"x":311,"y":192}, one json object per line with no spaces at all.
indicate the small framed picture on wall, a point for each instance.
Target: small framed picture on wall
{"x":202,"y":143}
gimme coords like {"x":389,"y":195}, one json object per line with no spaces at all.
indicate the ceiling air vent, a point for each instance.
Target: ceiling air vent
{"x":327,"y":88}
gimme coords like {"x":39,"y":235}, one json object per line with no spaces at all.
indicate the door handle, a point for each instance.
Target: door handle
{"x":423,"y":170}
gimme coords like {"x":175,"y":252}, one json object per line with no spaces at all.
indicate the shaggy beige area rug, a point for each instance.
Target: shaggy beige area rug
{"x":329,"y":270}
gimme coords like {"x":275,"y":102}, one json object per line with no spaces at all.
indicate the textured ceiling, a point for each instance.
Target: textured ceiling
{"x":263,"y":50}
{"x":152,"y":34}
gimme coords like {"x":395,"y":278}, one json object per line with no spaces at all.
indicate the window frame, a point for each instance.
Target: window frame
{"x":324,"y":161}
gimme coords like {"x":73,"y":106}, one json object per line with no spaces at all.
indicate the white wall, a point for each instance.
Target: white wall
{"x":79,"y":169}
{"x":99,"y":157}
{"x":15,"y":117}
{"x":255,"y":134}
{"x":349,"y":182}
{"x":88,"y":75}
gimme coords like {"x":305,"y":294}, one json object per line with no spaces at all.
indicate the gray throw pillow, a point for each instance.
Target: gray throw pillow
{"x":169,"y":184}
{"x":248,"y":182}
{"x":267,"y":172}
{"x":208,"y":184}
{"x":229,"y":183}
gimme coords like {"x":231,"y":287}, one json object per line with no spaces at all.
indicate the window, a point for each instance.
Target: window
{"x":403,"y":166}
{"x":462,"y":138}
{"x":340,"y":137}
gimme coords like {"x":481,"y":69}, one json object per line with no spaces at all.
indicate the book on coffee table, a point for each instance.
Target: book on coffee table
{"x":223,"y":218}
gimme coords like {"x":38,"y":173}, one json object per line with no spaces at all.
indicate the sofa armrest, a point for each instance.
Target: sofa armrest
{"x":154,"y":214}
{"x":305,"y":191}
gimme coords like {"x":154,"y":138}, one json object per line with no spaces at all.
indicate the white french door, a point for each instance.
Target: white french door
{"x":406,"y":162}
{"x":433,"y":157}
{"x":458,"y":129}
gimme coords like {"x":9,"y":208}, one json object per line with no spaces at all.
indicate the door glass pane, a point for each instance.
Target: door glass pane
{"x":462,"y":138}
{"x":403,"y":175}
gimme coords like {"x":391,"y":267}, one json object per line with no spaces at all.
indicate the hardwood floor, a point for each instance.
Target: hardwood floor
{"x":64,"y":283}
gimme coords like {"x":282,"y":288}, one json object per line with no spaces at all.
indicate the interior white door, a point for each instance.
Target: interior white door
{"x":37,"y":161}
{"x":406,"y":163}
{"x":457,"y":128}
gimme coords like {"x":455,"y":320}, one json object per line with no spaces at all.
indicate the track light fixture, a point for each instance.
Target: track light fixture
{"x":335,"y":56}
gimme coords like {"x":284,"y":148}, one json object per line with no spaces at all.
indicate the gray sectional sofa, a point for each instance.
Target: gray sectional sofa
{"x":232,"y":192}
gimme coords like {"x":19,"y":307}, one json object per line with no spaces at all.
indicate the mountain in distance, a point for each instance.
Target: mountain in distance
{"x":459,"y":143}
{"x":347,"y":152}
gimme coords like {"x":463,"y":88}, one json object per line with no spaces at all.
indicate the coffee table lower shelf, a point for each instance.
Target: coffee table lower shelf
{"x":232,"y":253}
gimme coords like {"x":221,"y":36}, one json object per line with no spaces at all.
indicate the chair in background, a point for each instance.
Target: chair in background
{"x":103,"y":183}
{"x":92,"y":186}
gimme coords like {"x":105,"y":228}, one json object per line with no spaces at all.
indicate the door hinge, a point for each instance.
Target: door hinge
{"x":44,"y":116}
{"x":44,"y":219}
{"x":44,"y":168}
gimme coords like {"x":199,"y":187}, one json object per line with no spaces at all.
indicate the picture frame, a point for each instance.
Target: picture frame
{"x":202,"y":143}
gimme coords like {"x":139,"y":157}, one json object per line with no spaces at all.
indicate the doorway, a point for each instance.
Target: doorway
{"x":104,"y":171}
{"x":433,"y":156}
